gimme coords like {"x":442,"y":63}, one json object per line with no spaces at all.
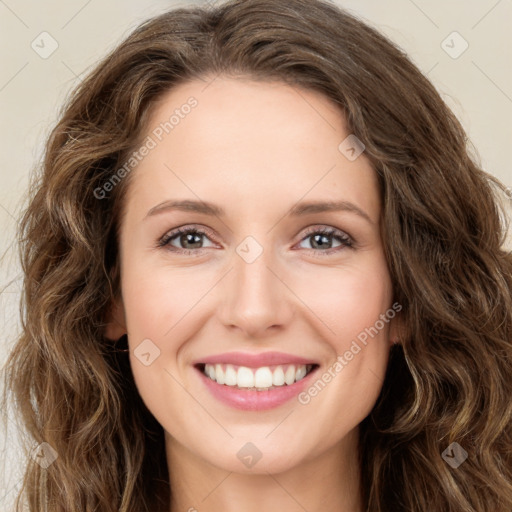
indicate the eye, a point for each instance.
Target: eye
{"x":189,"y":237}
{"x":321,"y":238}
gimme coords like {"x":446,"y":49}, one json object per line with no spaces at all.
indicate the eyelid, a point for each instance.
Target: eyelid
{"x":172,"y":233}
{"x":325,"y":228}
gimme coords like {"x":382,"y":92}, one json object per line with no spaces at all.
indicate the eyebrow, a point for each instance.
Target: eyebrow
{"x":300,"y":209}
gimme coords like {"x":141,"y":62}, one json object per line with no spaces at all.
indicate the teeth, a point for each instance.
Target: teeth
{"x":230,"y":376}
{"x":219,"y":374}
{"x":278,"y":376}
{"x":244,"y":378}
{"x":262,"y":377}
{"x":289,"y":375}
{"x":300,"y":373}
{"x":257,"y":378}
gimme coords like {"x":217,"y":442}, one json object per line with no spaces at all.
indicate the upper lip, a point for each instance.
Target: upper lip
{"x":252,"y":360}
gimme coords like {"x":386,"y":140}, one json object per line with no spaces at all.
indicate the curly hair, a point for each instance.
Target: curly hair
{"x":448,"y":380}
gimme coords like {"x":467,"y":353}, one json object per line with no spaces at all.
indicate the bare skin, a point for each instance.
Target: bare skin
{"x":255,"y":150}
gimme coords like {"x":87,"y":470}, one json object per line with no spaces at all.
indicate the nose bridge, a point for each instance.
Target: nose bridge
{"x":256,"y":298}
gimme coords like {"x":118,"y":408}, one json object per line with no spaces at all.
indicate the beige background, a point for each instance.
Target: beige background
{"x":477,"y":85}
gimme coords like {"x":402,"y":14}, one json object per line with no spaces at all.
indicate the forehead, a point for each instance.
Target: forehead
{"x":253,"y":144}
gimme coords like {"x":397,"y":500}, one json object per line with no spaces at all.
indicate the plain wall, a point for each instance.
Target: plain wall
{"x":477,"y":85}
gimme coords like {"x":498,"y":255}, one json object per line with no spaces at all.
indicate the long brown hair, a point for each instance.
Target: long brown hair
{"x":450,"y":377}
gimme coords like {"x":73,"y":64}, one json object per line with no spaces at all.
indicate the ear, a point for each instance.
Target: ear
{"x":116,"y":321}
{"x":397,"y":329}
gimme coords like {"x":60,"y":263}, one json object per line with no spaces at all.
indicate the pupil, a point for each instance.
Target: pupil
{"x":188,"y":238}
{"x":319,"y":244}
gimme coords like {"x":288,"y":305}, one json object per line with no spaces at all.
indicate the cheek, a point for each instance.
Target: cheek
{"x":157,"y":297}
{"x":162,"y":307}
{"x":354,"y":310}
{"x":347,"y":299}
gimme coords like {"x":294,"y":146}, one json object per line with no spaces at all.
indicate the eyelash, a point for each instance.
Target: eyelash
{"x":346,"y":241}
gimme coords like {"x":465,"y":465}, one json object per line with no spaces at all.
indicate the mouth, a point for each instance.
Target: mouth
{"x":255,"y":381}
{"x":263,"y":378}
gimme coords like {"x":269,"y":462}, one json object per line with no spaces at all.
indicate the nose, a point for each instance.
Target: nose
{"x":256,"y":300}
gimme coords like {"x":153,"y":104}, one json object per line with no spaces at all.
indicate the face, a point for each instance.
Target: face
{"x":259,"y":280}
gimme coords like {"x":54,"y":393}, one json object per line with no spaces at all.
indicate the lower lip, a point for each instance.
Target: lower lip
{"x":252,"y":399}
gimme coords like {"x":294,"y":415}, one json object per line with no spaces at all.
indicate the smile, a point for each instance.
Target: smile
{"x":264,"y":378}
{"x":255,"y":388}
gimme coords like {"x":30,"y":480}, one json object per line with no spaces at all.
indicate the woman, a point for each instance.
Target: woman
{"x":253,"y":372}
